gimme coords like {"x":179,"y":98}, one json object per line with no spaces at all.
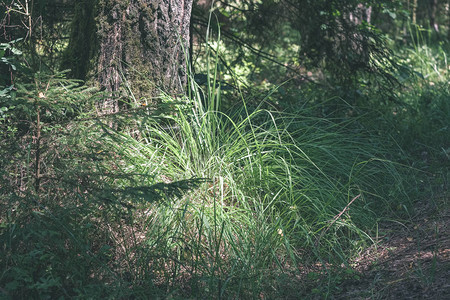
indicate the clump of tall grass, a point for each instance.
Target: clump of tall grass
{"x":419,"y":118}
{"x":278,"y":192}
{"x":427,"y":58}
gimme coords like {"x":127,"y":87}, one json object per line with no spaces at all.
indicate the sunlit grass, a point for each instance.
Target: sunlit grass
{"x":275,"y":196}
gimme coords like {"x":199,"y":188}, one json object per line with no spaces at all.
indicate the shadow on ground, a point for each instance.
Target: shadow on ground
{"x":409,"y":261}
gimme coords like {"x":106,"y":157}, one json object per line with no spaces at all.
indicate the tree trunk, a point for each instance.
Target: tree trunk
{"x":361,"y":14}
{"x":82,"y":41}
{"x":144,"y":42}
{"x":448,"y":19}
{"x":433,"y":4}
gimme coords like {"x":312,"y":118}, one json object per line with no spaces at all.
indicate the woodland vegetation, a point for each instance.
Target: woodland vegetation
{"x":240,"y":149}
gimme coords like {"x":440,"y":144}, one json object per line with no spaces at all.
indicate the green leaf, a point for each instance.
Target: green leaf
{"x":16,"y":51}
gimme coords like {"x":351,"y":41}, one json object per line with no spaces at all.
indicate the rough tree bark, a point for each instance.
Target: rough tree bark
{"x":142,"y":41}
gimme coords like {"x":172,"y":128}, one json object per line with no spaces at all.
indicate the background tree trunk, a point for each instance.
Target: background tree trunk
{"x":433,"y":4}
{"x":144,"y":42}
{"x":82,"y":41}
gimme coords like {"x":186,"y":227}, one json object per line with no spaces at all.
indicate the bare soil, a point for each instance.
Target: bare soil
{"x":409,"y":260}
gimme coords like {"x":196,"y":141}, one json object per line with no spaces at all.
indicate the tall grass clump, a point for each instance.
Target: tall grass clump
{"x":280,"y":190}
{"x":421,"y":115}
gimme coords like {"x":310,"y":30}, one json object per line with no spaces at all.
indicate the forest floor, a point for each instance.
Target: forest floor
{"x":409,"y":260}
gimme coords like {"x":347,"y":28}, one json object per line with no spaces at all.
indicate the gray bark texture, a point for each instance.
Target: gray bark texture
{"x":144,"y":42}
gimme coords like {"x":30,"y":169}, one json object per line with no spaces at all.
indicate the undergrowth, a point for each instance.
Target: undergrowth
{"x":201,"y":200}
{"x":196,"y":202}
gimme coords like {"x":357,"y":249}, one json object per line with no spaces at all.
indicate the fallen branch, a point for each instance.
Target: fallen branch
{"x":336,"y":218}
